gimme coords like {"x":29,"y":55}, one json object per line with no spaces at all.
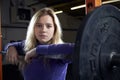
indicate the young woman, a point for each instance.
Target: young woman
{"x":45,"y":52}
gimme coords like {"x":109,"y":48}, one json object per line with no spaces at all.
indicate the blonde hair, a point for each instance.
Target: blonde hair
{"x":31,"y":41}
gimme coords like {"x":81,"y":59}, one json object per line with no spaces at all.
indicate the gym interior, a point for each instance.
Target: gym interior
{"x":71,"y":13}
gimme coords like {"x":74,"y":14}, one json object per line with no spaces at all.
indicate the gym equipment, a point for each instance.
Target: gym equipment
{"x":92,"y":4}
{"x":97,"y":51}
{"x":0,"y":49}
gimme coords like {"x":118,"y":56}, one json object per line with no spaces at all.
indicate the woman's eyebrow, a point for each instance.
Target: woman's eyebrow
{"x":38,"y":23}
{"x":49,"y":23}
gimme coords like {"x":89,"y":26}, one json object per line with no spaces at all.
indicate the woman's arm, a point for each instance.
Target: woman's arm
{"x":17,"y":45}
{"x":54,"y":49}
{"x":13,"y":54}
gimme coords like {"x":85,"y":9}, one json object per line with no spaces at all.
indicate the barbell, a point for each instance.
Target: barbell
{"x":97,"y":47}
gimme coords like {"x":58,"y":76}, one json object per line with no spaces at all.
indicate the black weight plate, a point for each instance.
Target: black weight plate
{"x":100,"y":37}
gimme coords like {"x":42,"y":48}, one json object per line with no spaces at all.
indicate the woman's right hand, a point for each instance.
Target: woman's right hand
{"x":12,"y":55}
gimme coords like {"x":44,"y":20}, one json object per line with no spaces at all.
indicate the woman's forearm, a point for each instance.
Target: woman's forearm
{"x":55,"y":49}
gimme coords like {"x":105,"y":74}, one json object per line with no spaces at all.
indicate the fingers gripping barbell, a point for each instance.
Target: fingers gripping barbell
{"x":97,"y":46}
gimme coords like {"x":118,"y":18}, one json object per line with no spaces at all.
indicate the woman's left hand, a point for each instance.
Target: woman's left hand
{"x":30,"y":55}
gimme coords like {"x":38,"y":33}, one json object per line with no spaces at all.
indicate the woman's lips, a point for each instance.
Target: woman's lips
{"x":43,"y":36}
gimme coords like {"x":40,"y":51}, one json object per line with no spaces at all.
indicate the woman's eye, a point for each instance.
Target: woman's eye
{"x":38,"y":25}
{"x":49,"y":26}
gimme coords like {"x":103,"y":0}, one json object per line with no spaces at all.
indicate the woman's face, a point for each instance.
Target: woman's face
{"x":44,"y":29}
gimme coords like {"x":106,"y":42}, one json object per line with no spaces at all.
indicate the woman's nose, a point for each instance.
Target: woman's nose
{"x":44,"y":28}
